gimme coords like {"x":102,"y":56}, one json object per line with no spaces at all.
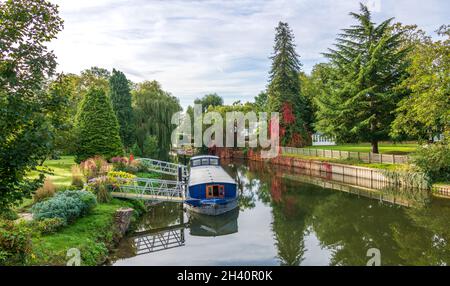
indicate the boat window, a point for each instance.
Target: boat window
{"x":205,"y":161}
{"x":195,"y":163}
{"x":215,"y":191}
{"x":214,"y":161}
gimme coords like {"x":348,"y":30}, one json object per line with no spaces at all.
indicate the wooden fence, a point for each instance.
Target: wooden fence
{"x":338,"y":154}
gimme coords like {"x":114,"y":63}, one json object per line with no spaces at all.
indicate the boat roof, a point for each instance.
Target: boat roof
{"x":209,"y":174}
{"x":204,"y":156}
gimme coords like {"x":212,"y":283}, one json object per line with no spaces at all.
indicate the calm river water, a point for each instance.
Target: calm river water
{"x":287,"y":217}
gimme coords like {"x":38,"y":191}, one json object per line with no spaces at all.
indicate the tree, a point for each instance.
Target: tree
{"x":368,"y":66}
{"x":153,"y":109}
{"x":97,"y":128}
{"x":284,"y":94}
{"x":121,"y":100}
{"x":64,"y":90}
{"x":208,"y":100}
{"x":25,"y":64}
{"x":425,"y":112}
{"x":261,"y":101}
{"x":151,"y":147}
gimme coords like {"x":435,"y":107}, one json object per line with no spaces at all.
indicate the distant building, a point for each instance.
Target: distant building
{"x":318,"y":139}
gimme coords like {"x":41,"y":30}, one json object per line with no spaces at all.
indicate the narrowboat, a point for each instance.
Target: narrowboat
{"x":211,"y":190}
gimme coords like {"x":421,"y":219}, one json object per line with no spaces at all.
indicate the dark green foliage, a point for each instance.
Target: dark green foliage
{"x":67,"y":206}
{"x":434,"y":161}
{"x":284,"y":94}
{"x":153,"y":110}
{"x":208,"y":100}
{"x":367,"y":66}
{"x":15,"y":243}
{"x":150,"y":147}
{"x":261,"y":101}
{"x":121,"y":100}
{"x":136,"y":151}
{"x":26,"y":132}
{"x":97,"y":128}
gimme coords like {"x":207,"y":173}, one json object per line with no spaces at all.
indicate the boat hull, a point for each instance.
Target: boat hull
{"x":213,"y":209}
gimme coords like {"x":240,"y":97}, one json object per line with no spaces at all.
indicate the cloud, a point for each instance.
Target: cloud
{"x":197,"y":47}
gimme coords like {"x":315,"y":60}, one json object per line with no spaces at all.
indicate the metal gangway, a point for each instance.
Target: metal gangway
{"x":164,"y":167}
{"x":155,"y":189}
{"x":150,"y":189}
{"x":157,"y":240}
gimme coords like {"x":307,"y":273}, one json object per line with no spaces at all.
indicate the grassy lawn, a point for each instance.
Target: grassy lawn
{"x":91,"y":234}
{"x":385,"y":148}
{"x":352,"y":162}
{"x":62,"y":170}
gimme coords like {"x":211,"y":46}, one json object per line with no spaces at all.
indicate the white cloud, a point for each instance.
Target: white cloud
{"x":197,"y":47}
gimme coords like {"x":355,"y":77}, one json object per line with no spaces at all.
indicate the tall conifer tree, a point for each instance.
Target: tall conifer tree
{"x":284,"y":94}
{"x":368,"y":65}
{"x":121,"y":102}
{"x":97,"y":129}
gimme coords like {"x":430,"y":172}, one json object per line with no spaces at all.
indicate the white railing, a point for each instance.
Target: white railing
{"x":338,"y":154}
{"x":164,"y":167}
{"x":151,"y":189}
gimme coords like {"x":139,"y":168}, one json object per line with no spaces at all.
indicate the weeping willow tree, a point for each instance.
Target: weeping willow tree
{"x":153,"y":110}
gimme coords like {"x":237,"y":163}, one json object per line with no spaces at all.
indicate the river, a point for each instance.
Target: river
{"x":292,"y":217}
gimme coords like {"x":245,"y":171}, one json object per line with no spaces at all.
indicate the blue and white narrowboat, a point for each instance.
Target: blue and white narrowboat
{"x":211,"y":190}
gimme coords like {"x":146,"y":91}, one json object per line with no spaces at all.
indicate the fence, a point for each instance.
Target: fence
{"x":338,"y":154}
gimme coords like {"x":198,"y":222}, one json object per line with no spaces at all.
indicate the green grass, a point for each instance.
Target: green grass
{"x":384,"y":147}
{"x":92,"y":235}
{"x":62,"y":170}
{"x":353,"y":162}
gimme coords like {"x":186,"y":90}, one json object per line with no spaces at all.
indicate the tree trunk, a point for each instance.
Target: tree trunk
{"x":374,"y":144}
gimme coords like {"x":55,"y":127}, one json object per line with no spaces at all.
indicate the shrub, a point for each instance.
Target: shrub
{"x":136,"y":151}
{"x":103,"y":185}
{"x":46,"y":191}
{"x":119,"y":163}
{"x":77,"y":177}
{"x":15,"y":243}
{"x":9,"y":214}
{"x":48,"y":225}
{"x":94,"y":167}
{"x":67,"y":206}
{"x":434,"y":161}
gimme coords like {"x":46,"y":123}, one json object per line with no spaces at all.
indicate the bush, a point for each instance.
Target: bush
{"x":67,"y":206}
{"x":94,"y":167}
{"x":102,"y":186}
{"x":9,"y":214}
{"x":119,"y":163}
{"x":48,"y":225}
{"x":151,"y":149}
{"x":136,"y":151}
{"x":15,"y":243}
{"x":77,"y":177}
{"x":46,"y":191}
{"x":434,"y":161}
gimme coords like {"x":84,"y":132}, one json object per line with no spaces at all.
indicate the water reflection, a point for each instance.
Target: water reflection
{"x":295,"y":217}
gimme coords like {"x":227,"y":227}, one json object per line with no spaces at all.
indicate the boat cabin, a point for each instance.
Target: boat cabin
{"x":209,"y":181}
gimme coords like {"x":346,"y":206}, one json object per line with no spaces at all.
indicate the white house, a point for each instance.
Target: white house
{"x":318,"y":139}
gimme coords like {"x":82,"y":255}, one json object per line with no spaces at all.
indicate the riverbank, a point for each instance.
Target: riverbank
{"x":348,"y":167}
{"x":94,"y":235}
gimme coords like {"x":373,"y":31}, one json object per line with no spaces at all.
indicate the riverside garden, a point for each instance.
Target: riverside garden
{"x":67,"y":141}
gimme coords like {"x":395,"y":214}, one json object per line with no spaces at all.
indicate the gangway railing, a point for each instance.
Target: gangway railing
{"x":164,"y":167}
{"x":150,"y":189}
{"x":160,"y":240}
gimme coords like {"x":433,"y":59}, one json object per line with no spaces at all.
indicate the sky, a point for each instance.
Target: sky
{"x":198,"y":47}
